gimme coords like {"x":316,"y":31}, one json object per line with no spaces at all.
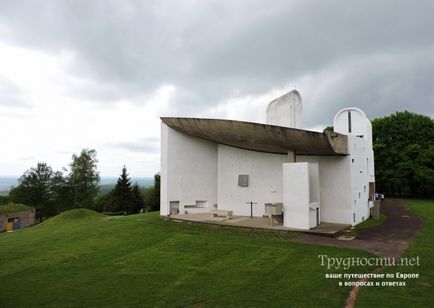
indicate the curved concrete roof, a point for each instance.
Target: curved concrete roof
{"x":261,"y":137}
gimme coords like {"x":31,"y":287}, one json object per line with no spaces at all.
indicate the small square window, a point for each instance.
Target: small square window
{"x":243,"y":180}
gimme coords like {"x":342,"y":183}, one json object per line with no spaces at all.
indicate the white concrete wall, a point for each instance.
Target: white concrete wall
{"x":314,"y":188}
{"x":335,"y":179}
{"x":358,"y":122}
{"x":360,"y":178}
{"x":314,"y":195}
{"x":296,"y":195}
{"x":334,"y":187}
{"x":344,"y":183}
{"x":188,"y":171}
{"x":370,"y":151}
{"x":313,"y":207}
{"x":300,"y":186}
{"x":286,"y":110}
{"x":361,"y":159}
{"x":265,"y":179}
{"x":164,"y":202}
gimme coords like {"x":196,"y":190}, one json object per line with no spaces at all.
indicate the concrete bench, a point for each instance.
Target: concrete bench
{"x":222,"y":213}
{"x":274,"y":211}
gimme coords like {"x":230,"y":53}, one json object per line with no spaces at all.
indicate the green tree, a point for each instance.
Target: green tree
{"x":35,"y":189}
{"x":4,"y":200}
{"x":121,"y":195}
{"x":83,"y":180}
{"x":328,"y":129}
{"x":125,"y":197}
{"x":404,"y":154}
{"x":155,"y":199}
{"x":102,"y":202}
{"x":137,"y":200}
{"x":147,"y":196}
{"x":60,"y":192}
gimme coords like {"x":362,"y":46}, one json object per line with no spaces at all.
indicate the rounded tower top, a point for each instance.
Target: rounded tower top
{"x":350,"y":121}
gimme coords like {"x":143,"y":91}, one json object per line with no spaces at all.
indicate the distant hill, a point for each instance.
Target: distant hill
{"x":142,"y":181}
{"x":107,"y":183}
{"x":6,"y":182}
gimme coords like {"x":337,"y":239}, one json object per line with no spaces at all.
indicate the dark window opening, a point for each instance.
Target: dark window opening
{"x":243,"y":180}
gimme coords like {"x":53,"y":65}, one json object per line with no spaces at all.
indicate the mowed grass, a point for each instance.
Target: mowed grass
{"x":11,"y":208}
{"x":84,"y":259}
{"x":418,"y":292}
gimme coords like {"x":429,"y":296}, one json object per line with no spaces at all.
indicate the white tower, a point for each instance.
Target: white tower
{"x":353,"y":121}
{"x":286,"y":111}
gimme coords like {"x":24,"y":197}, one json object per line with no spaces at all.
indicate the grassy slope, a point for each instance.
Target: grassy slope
{"x":143,"y":260}
{"x":418,"y":292}
{"x":11,"y":208}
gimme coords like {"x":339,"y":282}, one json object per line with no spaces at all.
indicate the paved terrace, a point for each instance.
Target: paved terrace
{"x":325,"y":228}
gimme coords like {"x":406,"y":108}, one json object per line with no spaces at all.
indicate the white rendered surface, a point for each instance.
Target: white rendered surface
{"x":334,"y":187}
{"x":286,"y":111}
{"x":358,"y":122}
{"x":361,"y":157}
{"x":265,"y":179}
{"x":298,"y":181}
{"x":188,"y":172}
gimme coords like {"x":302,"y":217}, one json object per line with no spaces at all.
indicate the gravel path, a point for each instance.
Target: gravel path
{"x":390,"y":239}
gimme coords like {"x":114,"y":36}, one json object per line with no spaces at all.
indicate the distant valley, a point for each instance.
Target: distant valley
{"x":107,"y":183}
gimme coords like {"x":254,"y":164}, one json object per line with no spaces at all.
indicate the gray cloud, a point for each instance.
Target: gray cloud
{"x":214,"y":49}
{"x":380,"y":85}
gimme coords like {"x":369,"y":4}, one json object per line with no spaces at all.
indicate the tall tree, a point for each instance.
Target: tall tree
{"x":404,"y":154}
{"x":60,"y":192}
{"x":121,"y":197}
{"x":148,"y":197}
{"x":155,"y":200}
{"x":138,"y":203}
{"x":84,"y":179}
{"x":35,"y":189}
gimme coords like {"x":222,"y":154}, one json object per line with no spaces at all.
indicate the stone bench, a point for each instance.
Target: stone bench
{"x":222,"y":213}
{"x":274,"y":211}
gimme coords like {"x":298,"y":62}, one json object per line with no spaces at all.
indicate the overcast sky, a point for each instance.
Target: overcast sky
{"x":99,"y":74}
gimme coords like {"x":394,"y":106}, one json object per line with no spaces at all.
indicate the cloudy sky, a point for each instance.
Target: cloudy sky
{"x":99,"y":74}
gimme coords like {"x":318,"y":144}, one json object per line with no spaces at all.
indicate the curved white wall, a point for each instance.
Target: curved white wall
{"x":188,"y":171}
{"x":265,"y":179}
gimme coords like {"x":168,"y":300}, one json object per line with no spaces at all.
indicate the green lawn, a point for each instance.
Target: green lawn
{"x":83,"y":259}
{"x":12,"y":208}
{"x":419,"y":292}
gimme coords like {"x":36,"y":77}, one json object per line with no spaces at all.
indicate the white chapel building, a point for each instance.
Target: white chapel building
{"x":213,"y":164}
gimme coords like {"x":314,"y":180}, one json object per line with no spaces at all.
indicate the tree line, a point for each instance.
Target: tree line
{"x":404,"y":154}
{"x":52,"y":192}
